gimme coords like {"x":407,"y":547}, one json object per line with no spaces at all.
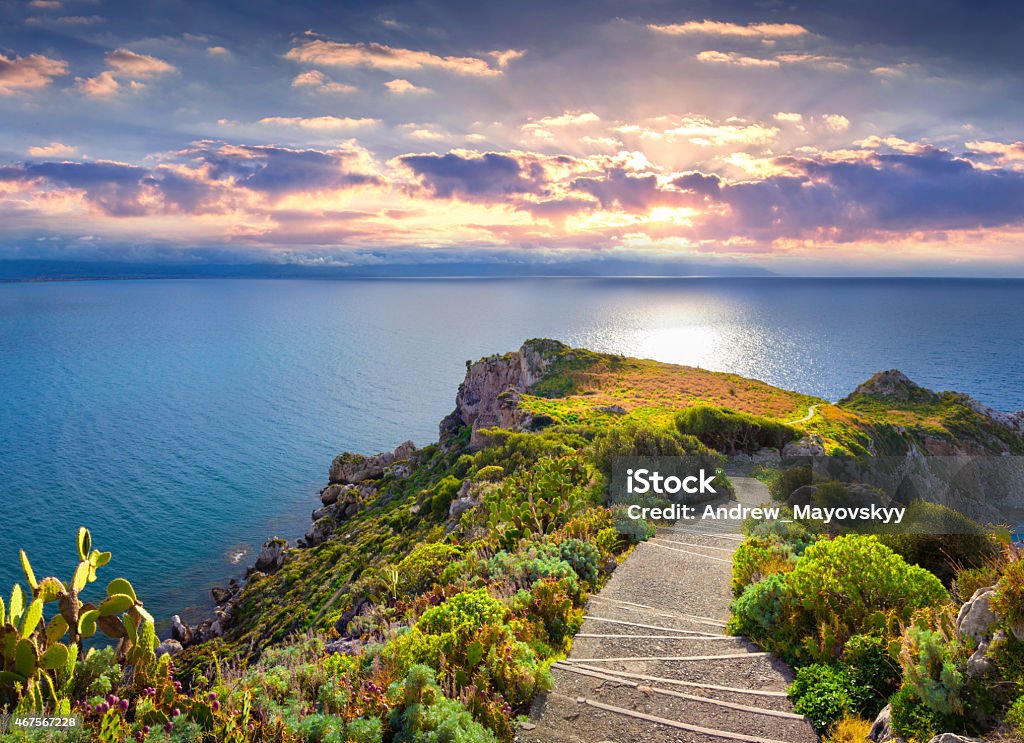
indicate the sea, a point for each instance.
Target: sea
{"x":185,"y":421}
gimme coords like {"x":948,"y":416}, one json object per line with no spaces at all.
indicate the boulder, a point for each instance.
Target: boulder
{"x":464,"y":500}
{"x":612,"y":409}
{"x":342,"y":647}
{"x":978,"y":664}
{"x":953,"y":738}
{"x":220,"y":595}
{"x":271,"y":557}
{"x":321,"y":529}
{"x":349,"y":468}
{"x":976,"y":618}
{"x":881,"y":730}
{"x":1017,"y":628}
{"x":168,"y":647}
{"x":811,"y":445}
{"x":180,"y":631}
{"x":331,"y":493}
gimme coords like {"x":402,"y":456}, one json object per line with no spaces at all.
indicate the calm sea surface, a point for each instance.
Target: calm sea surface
{"x":186,"y":421}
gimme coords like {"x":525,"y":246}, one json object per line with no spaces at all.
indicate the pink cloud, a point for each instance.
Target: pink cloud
{"x":720,"y":28}
{"x":21,"y":74}
{"x":381,"y":56}
{"x":132,"y":64}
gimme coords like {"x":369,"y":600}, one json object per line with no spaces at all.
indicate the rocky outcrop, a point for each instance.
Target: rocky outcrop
{"x":271,"y":556}
{"x":892,"y":385}
{"x":976,"y":618}
{"x":490,"y":394}
{"x":349,"y":468}
{"x":810,"y":445}
{"x":881,"y":730}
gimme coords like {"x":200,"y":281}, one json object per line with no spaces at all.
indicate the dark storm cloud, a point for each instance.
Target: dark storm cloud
{"x":476,"y":177}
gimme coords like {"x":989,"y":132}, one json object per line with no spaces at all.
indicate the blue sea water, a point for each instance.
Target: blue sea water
{"x":185,"y":421}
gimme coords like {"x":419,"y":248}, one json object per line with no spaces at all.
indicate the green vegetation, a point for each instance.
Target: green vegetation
{"x":865,"y":627}
{"x":435,"y":609}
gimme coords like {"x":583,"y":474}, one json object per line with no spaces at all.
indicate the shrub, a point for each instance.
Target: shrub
{"x":765,"y":613}
{"x":931,"y":671}
{"x":444,"y":493}
{"x":730,"y":431}
{"x":636,"y":439}
{"x":851,"y":583}
{"x":942,"y":541}
{"x":427,"y":716}
{"x":1015,"y":716}
{"x":850,"y":730}
{"x":1009,"y":599}
{"x":784,"y":482}
{"x":821,"y":694}
{"x":422,"y":567}
{"x":755,"y":559}
{"x":583,"y":557}
{"x":538,"y":561}
{"x":968,"y":580}
{"x":464,"y":612}
{"x":912,"y":719}
{"x":873,"y":672}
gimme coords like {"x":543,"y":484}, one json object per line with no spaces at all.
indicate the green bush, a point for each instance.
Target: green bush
{"x":968,"y":580}
{"x":637,"y":439}
{"x":912,"y":719}
{"x":422,"y":567}
{"x":523,"y":568}
{"x":931,"y":670}
{"x":821,"y":694}
{"x":1015,"y":716}
{"x":464,"y":612}
{"x":783,"y":483}
{"x":873,"y":673}
{"x":755,"y":559}
{"x":583,"y":557}
{"x":443,"y":494}
{"x":943,"y":541}
{"x":427,"y":716}
{"x":764,"y":612}
{"x":853,"y":583}
{"x":731,"y":431}
{"x":1009,"y":599}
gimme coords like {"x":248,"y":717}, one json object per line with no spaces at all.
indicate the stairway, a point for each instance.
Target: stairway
{"x":652,"y":662}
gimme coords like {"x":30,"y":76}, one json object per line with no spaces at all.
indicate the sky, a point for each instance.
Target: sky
{"x":795,"y":137}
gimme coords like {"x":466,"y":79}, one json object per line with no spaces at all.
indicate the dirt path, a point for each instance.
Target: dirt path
{"x":810,"y":414}
{"x":652,"y":663}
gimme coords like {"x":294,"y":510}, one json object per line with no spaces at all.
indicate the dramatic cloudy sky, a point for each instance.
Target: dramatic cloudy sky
{"x":795,"y":136}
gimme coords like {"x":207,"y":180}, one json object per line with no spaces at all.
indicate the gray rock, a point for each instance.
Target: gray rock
{"x":349,"y":468}
{"x":220,"y":595}
{"x":180,"y":631}
{"x":343,"y":647}
{"x":169,"y":647}
{"x":976,"y":618}
{"x":331,"y":493}
{"x":811,"y":445}
{"x":271,"y":557}
{"x":1017,"y":628}
{"x":953,"y":738}
{"x":321,"y":529}
{"x":978,"y":664}
{"x":612,"y":409}
{"x":881,"y":730}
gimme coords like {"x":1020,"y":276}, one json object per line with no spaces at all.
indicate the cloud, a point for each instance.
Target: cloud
{"x":836,"y":122}
{"x":21,"y":74}
{"x":319,"y":122}
{"x":104,"y":85}
{"x":719,"y":28}
{"x":734,"y":58}
{"x":132,"y":64}
{"x":45,"y":4}
{"x":706,"y":132}
{"x":403,"y":87}
{"x":1006,"y":152}
{"x":774,"y":61}
{"x":383,"y":57}
{"x":54,"y":149}
{"x":541,"y":128}
{"x":218,"y":51}
{"x":503,"y":57}
{"x":788,"y":117}
{"x":316,"y":80}
{"x":475,"y":176}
